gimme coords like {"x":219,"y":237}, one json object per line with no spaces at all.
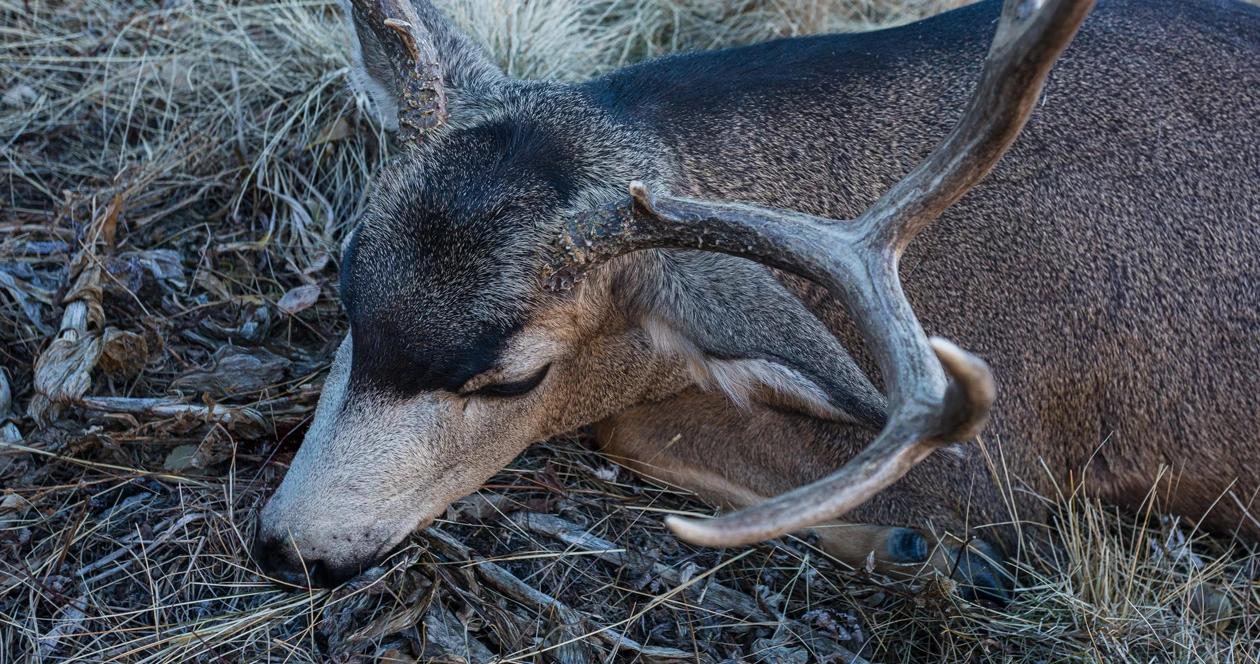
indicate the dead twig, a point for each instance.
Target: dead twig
{"x":504,"y":581}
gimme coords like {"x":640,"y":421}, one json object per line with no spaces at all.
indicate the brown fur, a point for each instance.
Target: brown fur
{"x":1107,"y":270}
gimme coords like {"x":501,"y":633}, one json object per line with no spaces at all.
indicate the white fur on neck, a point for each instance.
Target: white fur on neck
{"x":740,"y":379}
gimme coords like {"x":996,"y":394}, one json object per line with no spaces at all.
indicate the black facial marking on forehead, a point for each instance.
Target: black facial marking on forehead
{"x":443,"y":269}
{"x":382,"y":359}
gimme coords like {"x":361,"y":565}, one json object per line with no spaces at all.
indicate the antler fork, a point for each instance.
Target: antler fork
{"x":857,"y":261}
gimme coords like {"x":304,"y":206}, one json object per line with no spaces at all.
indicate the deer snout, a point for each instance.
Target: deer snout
{"x":306,"y":544}
{"x":282,"y":562}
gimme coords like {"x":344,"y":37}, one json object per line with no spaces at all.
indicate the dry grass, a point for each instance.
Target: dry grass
{"x":177,"y":180}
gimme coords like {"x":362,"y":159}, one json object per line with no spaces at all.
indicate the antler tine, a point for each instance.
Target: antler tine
{"x":414,"y":57}
{"x":858,"y":262}
{"x":910,"y":435}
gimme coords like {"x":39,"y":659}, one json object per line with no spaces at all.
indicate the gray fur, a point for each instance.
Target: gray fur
{"x":730,"y":309}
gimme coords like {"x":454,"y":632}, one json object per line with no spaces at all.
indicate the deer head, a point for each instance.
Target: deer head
{"x":502,"y":288}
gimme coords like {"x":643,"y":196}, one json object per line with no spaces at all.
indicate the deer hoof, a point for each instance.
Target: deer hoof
{"x":906,"y":545}
{"x":981,"y":574}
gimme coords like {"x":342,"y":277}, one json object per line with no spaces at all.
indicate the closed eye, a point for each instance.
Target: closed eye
{"x":512,"y":389}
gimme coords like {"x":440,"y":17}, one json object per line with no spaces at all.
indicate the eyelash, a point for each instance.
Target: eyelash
{"x":513,"y":389}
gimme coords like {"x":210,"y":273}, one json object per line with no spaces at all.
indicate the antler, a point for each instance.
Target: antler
{"x":857,"y":261}
{"x":414,"y":58}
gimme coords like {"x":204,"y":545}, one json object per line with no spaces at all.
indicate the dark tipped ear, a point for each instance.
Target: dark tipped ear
{"x":468,"y":71}
{"x":741,"y":331}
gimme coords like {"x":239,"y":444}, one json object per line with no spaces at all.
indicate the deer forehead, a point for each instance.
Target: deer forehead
{"x":444,"y":268}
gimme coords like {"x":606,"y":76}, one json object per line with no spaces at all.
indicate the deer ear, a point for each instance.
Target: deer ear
{"x":467,"y":70}
{"x":741,"y":331}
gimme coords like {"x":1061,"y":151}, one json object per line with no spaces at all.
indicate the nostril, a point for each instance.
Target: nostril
{"x":264,"y":554}
{"x":320,"y":574}
{"x":297,"y":575}
{"x":273,"y":559}
{"x":278,"y":561}
{"x":312,"y":574}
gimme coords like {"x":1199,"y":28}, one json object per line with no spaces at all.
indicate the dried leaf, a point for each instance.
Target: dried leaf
{"x":124,"y":279}
{"x":299,"y":299}
{"x":216,"y":447}
{"x":234,"y":371}
{"x":1213,"y":605}
{"x":254,"y":322}
{"x":108,"y":224}
{"x":10,"y":280}
{"x":318,"y":263}
{"x":335,"y":130}
{"x":213,"y":285}
{"x":181,"y":458}
{"x":165,"y":265}
{"x":29,"y":297}
{"x":123,"y":353}
{"x":13,"y":508}
{"x":43,"y":247}
{"x":480,"y":507}
{"x":447,"y":640}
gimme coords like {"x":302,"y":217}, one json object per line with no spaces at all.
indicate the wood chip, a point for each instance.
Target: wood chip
{"x":299,"y":299}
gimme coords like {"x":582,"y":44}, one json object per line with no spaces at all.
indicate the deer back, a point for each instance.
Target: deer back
{"x":1108,"y":269}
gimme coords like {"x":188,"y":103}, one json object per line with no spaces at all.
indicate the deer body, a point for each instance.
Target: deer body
{"x":1111,"y":252}
{"x":1107,"y":269}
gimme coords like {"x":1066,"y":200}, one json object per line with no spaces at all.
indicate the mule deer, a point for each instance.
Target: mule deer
{"x":502,"y":286}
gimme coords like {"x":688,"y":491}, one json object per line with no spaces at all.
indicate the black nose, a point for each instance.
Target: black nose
{"x":281,"y":562}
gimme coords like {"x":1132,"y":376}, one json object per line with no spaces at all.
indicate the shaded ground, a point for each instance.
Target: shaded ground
{"x":177,"y":179}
